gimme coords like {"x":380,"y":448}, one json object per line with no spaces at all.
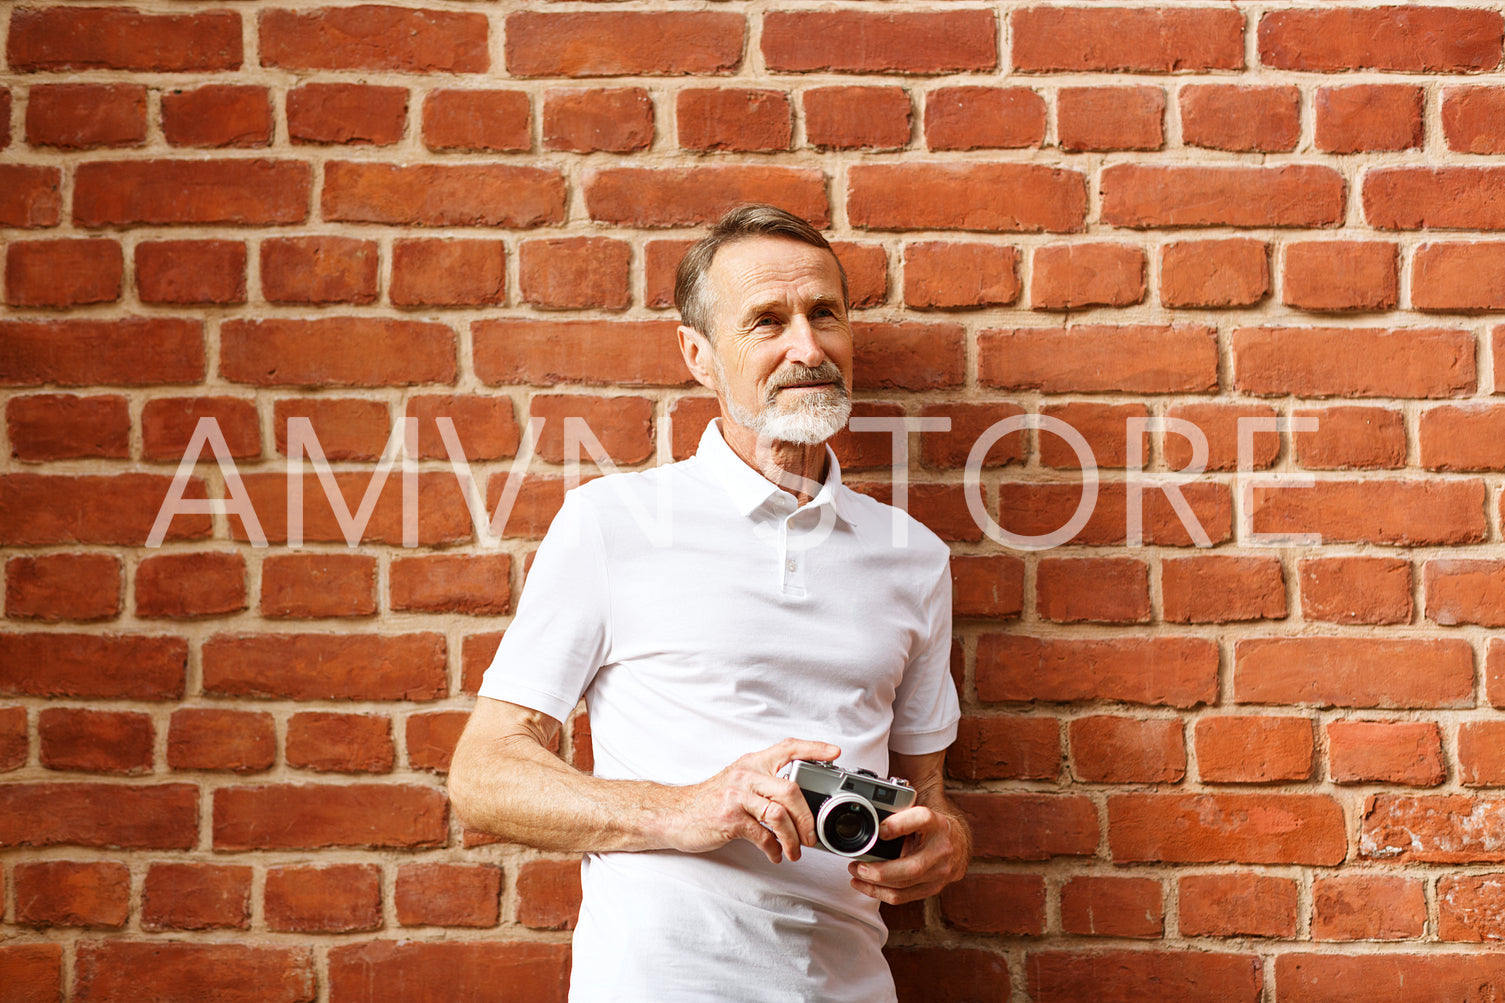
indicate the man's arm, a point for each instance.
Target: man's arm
{"x":504,"y":780}
{"x":939,"y":841}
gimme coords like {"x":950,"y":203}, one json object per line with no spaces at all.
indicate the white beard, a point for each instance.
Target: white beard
{"x":815,"y":418}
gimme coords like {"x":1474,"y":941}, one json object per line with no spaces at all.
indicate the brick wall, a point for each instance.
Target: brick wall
{"x":1235,"y":772}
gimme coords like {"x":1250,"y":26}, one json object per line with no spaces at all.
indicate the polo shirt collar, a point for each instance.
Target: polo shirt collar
{"x":749,"y":489}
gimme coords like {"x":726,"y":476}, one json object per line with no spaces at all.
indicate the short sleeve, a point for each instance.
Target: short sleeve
{"x":926,"y":708}
{"x":561,"y":632}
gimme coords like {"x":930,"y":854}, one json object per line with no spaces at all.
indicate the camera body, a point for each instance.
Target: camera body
{"x":849,"y":806}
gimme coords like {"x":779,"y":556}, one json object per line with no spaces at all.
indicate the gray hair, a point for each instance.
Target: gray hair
{"x":692,"y":294}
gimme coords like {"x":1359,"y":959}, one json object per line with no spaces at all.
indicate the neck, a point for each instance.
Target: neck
{"x":793,"y":466}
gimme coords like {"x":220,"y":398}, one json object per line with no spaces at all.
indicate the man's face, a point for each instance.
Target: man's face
{"x":782,"y":348}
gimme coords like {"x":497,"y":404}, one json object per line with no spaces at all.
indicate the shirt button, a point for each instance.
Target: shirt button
{"x":793,"y":565}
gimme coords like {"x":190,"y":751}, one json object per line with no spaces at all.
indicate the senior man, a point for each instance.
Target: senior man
{"x":785,"y":620}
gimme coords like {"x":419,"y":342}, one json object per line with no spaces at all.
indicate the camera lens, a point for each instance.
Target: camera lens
{"x":847,"y":825}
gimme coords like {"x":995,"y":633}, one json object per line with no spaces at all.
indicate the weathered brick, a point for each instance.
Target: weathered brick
{"x":908,"y":355}
{"x":636,"y":353}
{"x":1005,"y":747}
{"x":623,"y":43}
{"x":68,"y":426}
{"x":1237,"y":905}
{"x":73,"y":893}
{"x":1040,"y":510}
{"x":1467,"y":907}
{"x":348,"y":428}
{"x":865,"y":41}
{"x":616,"y":119}
{"x":945,"y":972}
{"x":1150,"y":195}
{"x":448,"y":894}
{"x":1226,"y":828}
{"x":1165,"y":671}
{"x":1222,"y":589}
{"x":549,"y":894}
{"x":1092,"y":589}
{"x":314,"y":816}
{"x":63,"y":273}
{"x":217,"y":116}
{"x":1454,"y":275}
{"x":340,"y":743}
{"x":1105,"y":427}
{"x":1110,"y":118}
{"x":352,"y":114}
{"x":1405,"y":39}
{"x":118,"y":38}
{"x":374,"y":37}
{"x":442,"y":514}
{"x":965,"y":196}
{"x":983,"y":118}
{"x":1353,"y":362}
{"x":1091,"y":358}
{"x":206,"y":738}
{"x":1007,"y":904}
{"x":1353,"y":671}
{"x":29,"y":196}
{"x":131,"y":817}
{"x":1093,"y":906}
{"x":184,"y":972}
{"x":303,"y":586}
{"x":33,"y":971}
{"x":190,"y":585}
{"x":442,"y":971}
{"x":1333,"y":275}
{"x":1219,"y":425}
{"x":1249,"y":749}
{"x":1443,"y":197}
{"x":1398,"y":513}
{"x":83,"y":116}
{"x":575,"y":273}
{"x":1166,"y":40}
{"x":483,"y":423}
{"x":1481,"y":753}
{"x":1077,"y":275}
{"x":337,"y":351}
{"x":725,"y":118}
{"x":1470,"y":119}
{"x":55,"y":587}
{"x":336,"y":898}
{"x":1113,"y":749}
{"x":93,"y":666}
{"x":1367,"y":907}
{"x":1169,"y":976}
{"x":1386,"y":752}
{"x":691,"y":196}
{"x":1030,"y":826}
{"x":326,"y":666}
{"x":443,"y":272}
{"x":1368,"y":118}
{"x":441,"y":583}
{"x":1356,"y":589}
{"x":431,"y":738}
{"x":120,"y":509}
{"x":191,"y":271}
{"x":498,"y":120}
{"x":167,"y":192}
{"x":857,"y":118}
{"x":949,"y":275}
{"x":1465,"y":591}
{"x":1351,"y":438}
{"x":194,"y":896}
{"x":168,"y":424}
{"x":990,"y":585}
{"x":1240,"y":118}
{"x":1431,"y":828}
{"x":1214,"y":273}
{"x":505,"y":195}
{"x":96,"y":741}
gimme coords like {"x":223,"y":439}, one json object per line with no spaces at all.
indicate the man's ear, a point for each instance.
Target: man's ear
{"x":697,"y":350}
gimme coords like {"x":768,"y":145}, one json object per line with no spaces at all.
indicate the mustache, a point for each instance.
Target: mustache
{"x":795,"y":374}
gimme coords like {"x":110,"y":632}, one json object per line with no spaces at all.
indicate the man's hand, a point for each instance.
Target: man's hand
{"x":747,"y":800}
{"x":934,"y":856}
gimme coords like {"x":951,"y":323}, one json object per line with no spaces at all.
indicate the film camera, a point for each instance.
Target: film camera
{"x":848,"y":807}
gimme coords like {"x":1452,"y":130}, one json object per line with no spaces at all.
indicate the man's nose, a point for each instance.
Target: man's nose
{"x":802,"y":344}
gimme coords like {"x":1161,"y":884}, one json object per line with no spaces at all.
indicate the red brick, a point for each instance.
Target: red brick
{"x":1294,"y":195}
{"x":302,"y":586}
{"x":615,"y":119}
{"x":1353,"y":672}
{"x":1465,"y":591}
{"x":182,"y":972}
{"x":1356,"y":590}
{"x":1219,"y":424}
{"x":73,"y":893}
{"x":908,"y":355}
{"x":448,"y":894}
{"x":483,"y":423}
{"x":945,"y":275}
{"x":857,"y":118}
{"x":1222,"y":589}
{"x":374,"y":37}
{"x":477,"y":120}
{"x":1481,"y":753}
{"x":29,"y":195}
{"x":582,"y":751}
{"x":1470,"y":117}
{"x":1244,"y":119}
{"x":314,"y":816}
{"x":82,"y":116}
{"x":437,"y":971}
{"x":217,"y":116}
{"x":990,"y":585}
{"x":1468,"y":908}
{"x":356,"y":114}
{"x":1005,"y":747}
{"x":1092,"y":589}
{"x":1109,"y":749}
{"x":15,"y":741}
{"x":63,"y":587}
{"x":431,"y":738}
{"x":1431,"y":828}
{"x":525,"y":351}
{"x":339,"y":898}
{"x":571,"y":273}
{"x":118,"y":816}
{"x":1076,"y":275}
{"x":1091,"y":358}
{"x":1226,"y":828}
{"x":1164,"y":671}
{"x":66,"y":426}
{"x":691,"y":196}
{"x":1386,"y":752}
{"x":443,"y":518}
{"x":190,"y":585}
{"x":442,"y":272}
{"x":1036,"y":509}
{"x":1112,"y":907}
{"x":1237,"y":905}
{"x":348,"y":428}
{"x":549,"y":894}
{"x":337,"y":351}
{"x":1458,"y":276}
{"x":1110,"y":118}
{"x":1404,"y":513}
{"x":945,"y":973}
{"x":1335,"y":275}
{"x":5,"y":103}
{"x":168,"y":423}
{"x":688,"y":417}
{"x":866,"y":267}
{"x":504,"y":195}
{"x":117,"y":38}
{"x":166,"y":192}
{"x":95,"y":741}
{"x":90,"y":666}
{"x":1245,"y":749}
{"x":326,"y":666}
{"x":966,"y":196}
{"x":194,"y":896}
{"x":724,"y":118}
{"x":62,"y":273}
{"x":475,"y":584}
{"x":41,"y":509}
{"x":623,"y":43}
{"x":34,"y":972}
{"x":1008,"y":904}
{"x":1214,"y":273}
{"x":863,"y":41}
{"x":1498,"y":343}
{"x":1029,"y":826}
{"x":983,"y":118}
{"x":1405,"y":39}
{"x":1368,"y":907}
{"x":1368,"y":118}
{"x":1047,"y":39}
{"x":1444,"y":198}
{"x":204,"y":738}
{"x":1462,"y":437}
{"x":1165,"y":976}
{"x":623,"y":426}
{"x":1351,"y":438}
{"x":191,"y":271}
{"x":1353,"y":362}
{"x":340,"y":743}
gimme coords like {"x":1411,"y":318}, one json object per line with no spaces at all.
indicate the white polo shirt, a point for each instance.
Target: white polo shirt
{"x":704,"y":616}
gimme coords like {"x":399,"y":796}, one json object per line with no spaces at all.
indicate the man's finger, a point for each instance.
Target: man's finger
{"x":908,"y":821}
